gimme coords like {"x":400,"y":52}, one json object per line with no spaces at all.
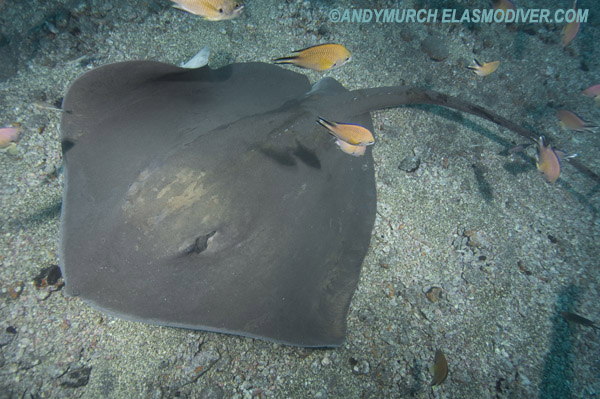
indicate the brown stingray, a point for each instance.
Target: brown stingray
{"x":211,"y":200}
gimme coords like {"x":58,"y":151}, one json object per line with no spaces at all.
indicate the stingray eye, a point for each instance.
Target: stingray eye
{"x":220,"y":11}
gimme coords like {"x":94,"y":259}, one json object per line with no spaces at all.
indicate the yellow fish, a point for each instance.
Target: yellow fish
{"x":318,"y":58}
{"x":503,"y":5}
{"x":354,"y":150}
{"x":549,"y":160}
{"x":9,"y":135}
{"x":592,"y":91}
{"x":352,"y":134}
{"x":485,"y":69}
{"x":439,"y":368}
{"x":212,"y":10}
{"x":570,"y":30}
{"x":571,"y":120}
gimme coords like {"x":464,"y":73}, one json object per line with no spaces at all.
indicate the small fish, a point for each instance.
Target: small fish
{"x":354,"y":150}
{"x":570,"y":30}
{"x":355,"y":135}
{"x":485,"y":69}
{"x":439,"y":369}
{"x":592,"y":91}
{"x":318,"y":58}
{"x":503,"y":5}
{"x":212,"y":10}
{"x":45,"y":106}
{"x":575,"y":318}
{"x":571,"y":120}
{"x":549,"y":160}
{"x":9,"y":135}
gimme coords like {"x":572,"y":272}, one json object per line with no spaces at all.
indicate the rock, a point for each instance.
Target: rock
{"x":435,"y":48}
{"x":410,"y":164}
{"x":76,"y":378}
{"x":434,"y":294}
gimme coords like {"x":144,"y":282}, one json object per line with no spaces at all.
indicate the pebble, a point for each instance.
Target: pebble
{"x":410,"y":164}
{"x":385,"y":263}
{"x":361,"y":368}
{"x":212,"y":392}
{"x":76,"y":378}
{"x":7,"y":335}
{"x":434,"y":294}
{"x":201,"y":362}
{"x":435,"y":48}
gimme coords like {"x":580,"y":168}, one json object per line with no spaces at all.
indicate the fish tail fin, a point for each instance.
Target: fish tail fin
{"x":592,"y":129}
{"x":286,"y":60}
{"x":325,"y":123}
{"x":474,"y":67}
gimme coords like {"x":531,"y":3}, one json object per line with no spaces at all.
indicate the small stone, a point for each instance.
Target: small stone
{"x":48,"y":276}
{"x":320,"y":395}
{"x":212,"y":392}
{"x":201,"y":362}
{"x":76,"y":378}
{"x":549,"y":71}
{"x":65,"y":325}
{"x":384,"y":263}
{"x":524,"y":268}
{"x":323,"y":30}
{"x":435,"y":48}
{"x":7,"y":336}
{"x":477,"y":239}
{"x":434,"y":294}
{"x":361,"y":368}
{"x":16,"y":290}
{"x":366,"y":316}
{"x":410,"y":164}
{"x":61,"y":19}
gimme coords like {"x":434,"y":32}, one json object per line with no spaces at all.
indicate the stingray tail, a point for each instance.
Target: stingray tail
{"x":367,"y":100}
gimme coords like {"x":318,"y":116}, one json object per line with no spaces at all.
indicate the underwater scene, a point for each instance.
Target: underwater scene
{"x":299,"y":199}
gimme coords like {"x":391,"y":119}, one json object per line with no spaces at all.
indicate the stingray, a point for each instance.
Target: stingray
{"x":212,"y":200}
